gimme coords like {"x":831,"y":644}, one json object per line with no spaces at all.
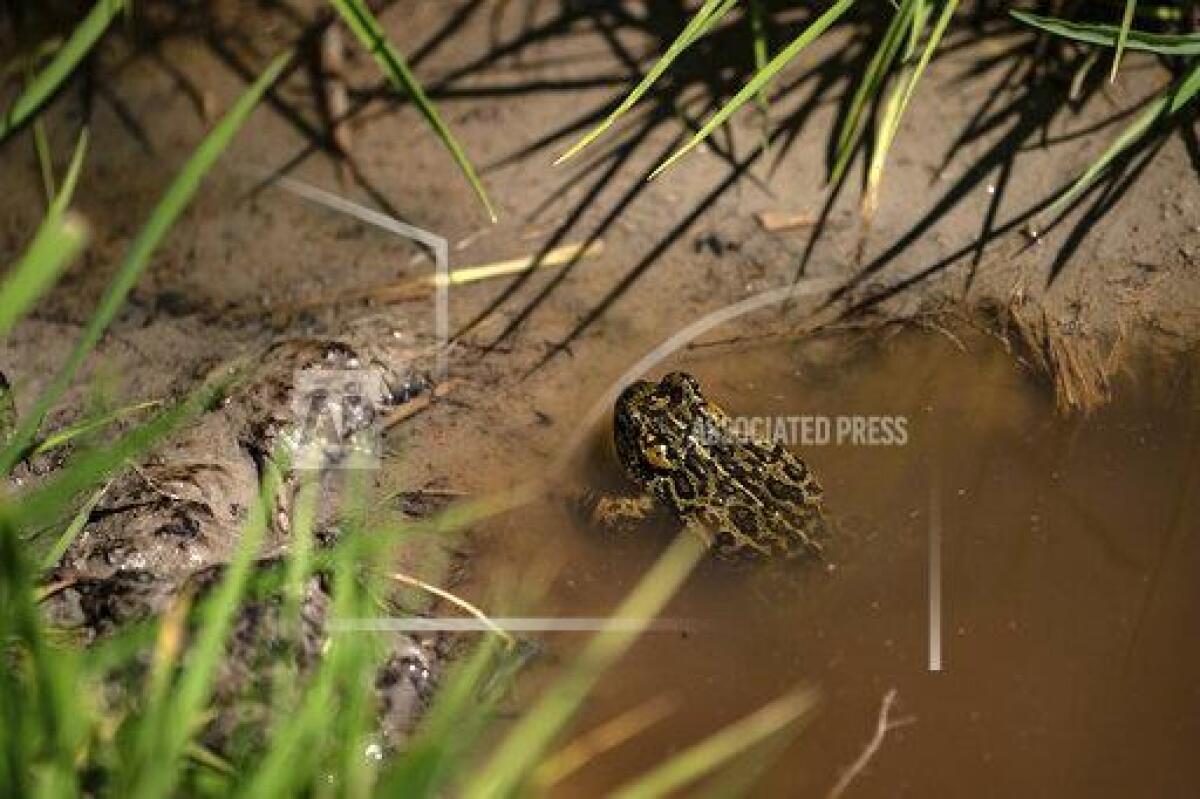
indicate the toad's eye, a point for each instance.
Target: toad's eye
{"x":658,"y":456}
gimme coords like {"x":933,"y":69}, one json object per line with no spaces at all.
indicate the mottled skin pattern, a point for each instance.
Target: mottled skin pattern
{"x":743,"y":498}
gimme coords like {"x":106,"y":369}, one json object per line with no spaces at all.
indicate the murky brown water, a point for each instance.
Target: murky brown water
{"x":1070,"y":657}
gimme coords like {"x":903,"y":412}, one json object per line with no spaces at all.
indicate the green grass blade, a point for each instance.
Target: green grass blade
{"x":54,"y":555}
{"x":67,"y":191}
{"x":1128,"y":137}
{"x":701,"y":22}
{"x":1166,"y":104}
{"x":759,"y":81}
{"x":1185,"y":44}
{"x":920,"y":16}
{"x":336,"y":701}
{"x":1126,"y":23}
{"x":528,"y":740}
{"x":68,"y":434}
{"x":1169,"y":102}
{"x":45,"y":504}
{"x":370,"y":33}
{"x":46,"y":82}
{"x":41,"y":147}
{"x":869,"y":86}
{"x":1186,"y":90}
{"x":44,"y":719}
{"x":710,"y":754}
{"x":896,"y":107}
{"x":889,"y":121}
{"x":56,"y":243}
{"x":278,"y":774}
{"x":168,"y":210}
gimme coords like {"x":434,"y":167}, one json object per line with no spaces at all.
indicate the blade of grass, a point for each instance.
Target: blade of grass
{"x":1185,"y":90}
{"x":66,"y":435}
{"x":1166,"y":104}
{"x":1126,"y":23}
{"x":370,"y":33}
{"x":869,"y":86}
{"x":710,"y":754}
{"x":44,"y":719}
{"x":759,"y":81}
{"x":54,"y":555}
{"x":1180,"y":44}
{"x":278,"y":774}
{"x":58,"y":240}
{"x":889,"y":115}
{"x":168,"y":210}
{"x":700,"y":23}
{"x":525,"y":744}
{"x":357,"y":658}
{"x":63,"y":198}
{"x":45,"y":504}
{"x":917,"y":27}
{"x":896,"y":107}
{"x":81,"y":41}
{"x":41,"y":146}
{"x":336,"y":696}
{"x":1081,"y":74}
{"x":63,"y":437}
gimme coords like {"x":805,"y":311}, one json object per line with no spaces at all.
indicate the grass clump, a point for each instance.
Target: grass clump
{"x":910,"y":40}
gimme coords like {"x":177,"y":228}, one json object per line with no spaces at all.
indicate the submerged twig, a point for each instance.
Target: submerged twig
{"x":883,"y":726}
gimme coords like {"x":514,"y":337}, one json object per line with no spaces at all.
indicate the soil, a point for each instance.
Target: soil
{"x":518,"y":82}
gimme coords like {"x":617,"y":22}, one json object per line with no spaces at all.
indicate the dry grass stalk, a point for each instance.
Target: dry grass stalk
{"x":883,"y":726}
{"x":777,"y":221}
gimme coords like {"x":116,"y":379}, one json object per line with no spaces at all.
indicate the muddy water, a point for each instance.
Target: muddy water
{"x":1070,"y":598}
